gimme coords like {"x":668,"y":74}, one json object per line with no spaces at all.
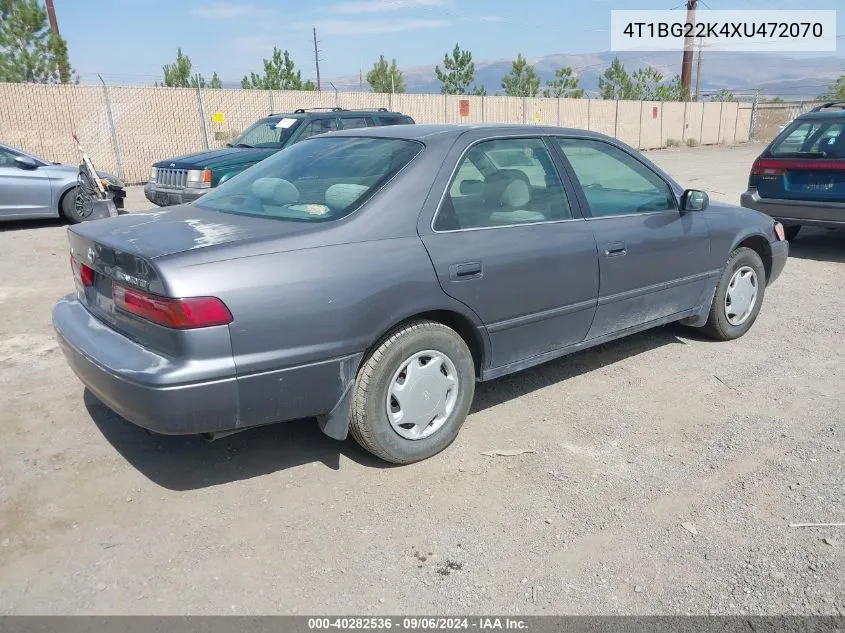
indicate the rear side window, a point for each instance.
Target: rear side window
{"x":394,"y":119}
{"x":490,"y":190}
{"x":318,"y":181}
{"x":821,"y":137}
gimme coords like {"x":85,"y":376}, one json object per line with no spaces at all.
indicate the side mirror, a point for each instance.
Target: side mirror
{"x":25,"y":162}
{"x":694,"y":200}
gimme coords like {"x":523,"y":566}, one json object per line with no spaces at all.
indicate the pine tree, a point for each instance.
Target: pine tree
{"x":29,"y":50}
{"x":522,"y":80}
{"x":386,"y":77}
{"x":458,"y":72}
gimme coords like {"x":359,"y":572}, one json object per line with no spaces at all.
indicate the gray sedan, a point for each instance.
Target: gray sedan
{"x":36,"y":188}
{"x":370,"y":277}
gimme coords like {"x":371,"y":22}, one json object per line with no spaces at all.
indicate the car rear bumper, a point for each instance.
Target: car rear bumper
{"x":797,"y":212}
{"x":169,"y":196}
{"x":128,"y":378}
{"x":156,"y":392}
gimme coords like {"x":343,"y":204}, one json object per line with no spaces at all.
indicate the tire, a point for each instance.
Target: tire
{"x":376,"y":423}
{"x":791,"y":232}
{"x":69,"y":208}
{"x":720,"y":324}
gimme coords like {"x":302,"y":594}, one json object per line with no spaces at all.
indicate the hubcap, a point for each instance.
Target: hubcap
{"x":422,"y":394}
{"x":741,"y":295}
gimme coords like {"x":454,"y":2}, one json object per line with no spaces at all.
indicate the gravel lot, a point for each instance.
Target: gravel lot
{"x":667,"y":471}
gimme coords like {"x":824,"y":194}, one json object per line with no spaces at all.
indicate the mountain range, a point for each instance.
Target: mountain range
{"x":791,"y":78}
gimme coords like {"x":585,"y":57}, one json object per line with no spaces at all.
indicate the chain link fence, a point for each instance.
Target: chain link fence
{"x":125,"y":129}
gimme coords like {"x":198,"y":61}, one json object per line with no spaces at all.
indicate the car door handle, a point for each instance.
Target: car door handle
{"x":615,"y":249}
{"x":467,"y":270}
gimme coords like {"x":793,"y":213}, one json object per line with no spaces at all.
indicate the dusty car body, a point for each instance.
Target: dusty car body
{"x":368,"y":278}
{"x":36,"y":188}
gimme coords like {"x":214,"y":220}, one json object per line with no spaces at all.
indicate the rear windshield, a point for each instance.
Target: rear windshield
{"x":267,"y":133}
{"x":821,"y":138}
{"x":319,"y":180}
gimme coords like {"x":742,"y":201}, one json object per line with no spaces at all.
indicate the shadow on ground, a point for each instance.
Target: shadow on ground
{"x":819,"y":245}
{"x":191,"y":462}
{"x":22,"y":225}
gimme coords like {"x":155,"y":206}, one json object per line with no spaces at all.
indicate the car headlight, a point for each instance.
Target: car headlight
{"x":153,"y":174}
{"x":199,"y":178}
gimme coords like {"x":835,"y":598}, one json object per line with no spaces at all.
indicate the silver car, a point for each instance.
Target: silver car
{"x":36,"y":188}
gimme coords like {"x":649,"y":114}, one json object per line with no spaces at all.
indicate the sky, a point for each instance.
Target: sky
{"x":130,"y":40}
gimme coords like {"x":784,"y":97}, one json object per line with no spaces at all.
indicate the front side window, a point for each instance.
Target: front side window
{"x":318,"y":181}
{"x":7,"y":158}
{"x":614,"y":182}
{"x":269,"y":133}
{"x":819,"y":138}
{"x":501,"y":183}
{"x":317,"y":126}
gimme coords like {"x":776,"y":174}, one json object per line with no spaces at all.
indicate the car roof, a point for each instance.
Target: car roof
{"x":822,"y":114}
{"x":320,"y":112}
{"x":423,"y":131}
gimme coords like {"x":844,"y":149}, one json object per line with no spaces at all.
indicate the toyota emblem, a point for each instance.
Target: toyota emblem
{"x":91,"y":255}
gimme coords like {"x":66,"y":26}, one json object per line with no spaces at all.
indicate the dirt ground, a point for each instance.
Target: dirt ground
{"x":667,"y":471}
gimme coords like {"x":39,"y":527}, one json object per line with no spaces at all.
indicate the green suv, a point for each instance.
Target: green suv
{"x":186,"y":178}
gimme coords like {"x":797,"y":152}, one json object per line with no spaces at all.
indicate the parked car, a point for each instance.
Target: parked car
{"x":370,"y":277}
{"x":186,"y":178}
{"x":799,"y":179}
{"x":33,"y":187}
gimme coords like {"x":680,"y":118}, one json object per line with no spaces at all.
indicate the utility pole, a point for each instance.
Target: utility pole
{"x":317,"y":59}
{"x":698,"y":70}
{"x":689,"y":50}
{"x":54,"y":26}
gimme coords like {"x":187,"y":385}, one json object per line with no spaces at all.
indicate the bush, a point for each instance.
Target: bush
{"x":691,"y":142}
{"x":671,"y":142}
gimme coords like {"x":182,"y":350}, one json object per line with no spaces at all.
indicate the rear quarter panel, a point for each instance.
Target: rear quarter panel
{"x":313,"y":312}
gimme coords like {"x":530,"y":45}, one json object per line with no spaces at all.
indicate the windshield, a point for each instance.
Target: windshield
{"x":267,"y":133}
{"x":819,"y":138}
{"x":318,"y":180}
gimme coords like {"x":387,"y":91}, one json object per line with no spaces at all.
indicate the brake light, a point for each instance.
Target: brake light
{"x":181,"y":314}
{"x":84,"y":274}
{"x":765,"y":167}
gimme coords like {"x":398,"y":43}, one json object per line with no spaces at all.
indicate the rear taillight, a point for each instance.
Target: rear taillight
{"x":767,"y":167}
{"x":84,"y":274}
{"x":181,"y":314}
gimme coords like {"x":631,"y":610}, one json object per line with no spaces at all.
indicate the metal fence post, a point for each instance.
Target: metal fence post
{"x":113,"y":129}
{"x":736,"y":124}
{"x":558,"y":111}
{"x":684,"y":128}
{"x":201,"y":110}
{"x":589,"y":101}
{"x":483,"y":112}
{"x":753,"y":127}
{"x":721,"y":113}
{"x":616,"y":121}
{"x":445,"y":109}
{"x":640,"y":132}
{"x":272,"y":105}
{"x":662,"y":117}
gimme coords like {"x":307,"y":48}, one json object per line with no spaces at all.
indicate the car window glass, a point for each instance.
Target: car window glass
{"x":501,"y":183}
{"x":614,"y":182}
{"x":266,"y":133}
{"x":7,"y":158}
{"x":317,"y":126}
{"x":320,"y":180}
{"x":390,"y":119}
{"x":353,"y":123}
{"x":812,"y":137}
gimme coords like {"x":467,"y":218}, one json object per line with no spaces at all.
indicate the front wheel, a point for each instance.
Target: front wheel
{"x":413,"y":393}
{"x":739,"y":296}
{"x":73,"y":206}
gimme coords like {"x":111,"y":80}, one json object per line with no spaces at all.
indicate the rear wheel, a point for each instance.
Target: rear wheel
{"x":413,"y":393}
{"x":791,"y":232}
{"x":739,"y":296}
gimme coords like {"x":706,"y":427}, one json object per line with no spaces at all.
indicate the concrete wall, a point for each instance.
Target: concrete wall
{"x":155,"y":123}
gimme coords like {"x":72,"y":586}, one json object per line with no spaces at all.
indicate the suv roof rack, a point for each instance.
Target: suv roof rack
{"x":330,"y":109}
{"x":830,"y":104}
